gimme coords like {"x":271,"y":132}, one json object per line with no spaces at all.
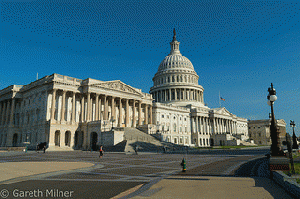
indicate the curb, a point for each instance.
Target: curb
{"x":288,"y":183}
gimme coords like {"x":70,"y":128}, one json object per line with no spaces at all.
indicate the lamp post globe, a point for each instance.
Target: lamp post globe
{"x":273,"y":98}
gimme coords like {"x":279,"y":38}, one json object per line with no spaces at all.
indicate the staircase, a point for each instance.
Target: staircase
{"x":145,"y":142}
{"x":244,"y":143}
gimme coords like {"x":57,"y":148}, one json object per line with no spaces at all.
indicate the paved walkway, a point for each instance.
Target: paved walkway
{"x":209,"y":187}
{"x":11,"y":170}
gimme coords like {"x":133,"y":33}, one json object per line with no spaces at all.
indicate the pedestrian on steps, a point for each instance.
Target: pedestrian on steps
{"x":101,"y":151}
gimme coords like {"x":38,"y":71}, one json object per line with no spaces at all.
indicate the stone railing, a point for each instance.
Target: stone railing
{"x":67,"y":79}
{"x":288,"y":183}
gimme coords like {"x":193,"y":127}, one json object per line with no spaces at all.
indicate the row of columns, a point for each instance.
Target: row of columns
{"x":202,"y":125}
{"x":7,"y":109}
{"x":99,"y":101}
{"x":180,"y":94}
{"x":170,"y":79}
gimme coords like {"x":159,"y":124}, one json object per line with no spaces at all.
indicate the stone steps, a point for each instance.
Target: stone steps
{"x":145,"y":142}
{"x":244,"y":143}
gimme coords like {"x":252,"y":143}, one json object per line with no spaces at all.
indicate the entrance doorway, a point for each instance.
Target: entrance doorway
{"x":94,"y":139}
{"x":57,"y":138}
{"x":67,"y":138}
{"x":211,"y":142}
{"x":15,"y":139}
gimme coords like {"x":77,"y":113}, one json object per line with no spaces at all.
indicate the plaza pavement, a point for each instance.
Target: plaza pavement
{"x":208,"y":187}
{"x":13,"y":170}
{"x":174,"y":186}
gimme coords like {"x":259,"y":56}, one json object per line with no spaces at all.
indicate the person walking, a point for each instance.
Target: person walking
{"x":101,"y":151}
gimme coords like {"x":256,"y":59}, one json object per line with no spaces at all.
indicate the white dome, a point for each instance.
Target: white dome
{"x":175,"y":62}
{"x":176,"y":81}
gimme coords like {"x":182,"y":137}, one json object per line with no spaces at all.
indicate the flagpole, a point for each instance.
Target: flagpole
{"x":219,"y":99}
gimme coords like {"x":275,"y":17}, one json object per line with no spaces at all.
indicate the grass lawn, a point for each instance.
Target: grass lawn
{"x":297,"y":171}
{"x":234,"y":147}
{"x":296,"y":155}
{"x":227,"y":147}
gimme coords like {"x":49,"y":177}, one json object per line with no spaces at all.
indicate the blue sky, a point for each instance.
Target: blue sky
{"x":237,"y":47}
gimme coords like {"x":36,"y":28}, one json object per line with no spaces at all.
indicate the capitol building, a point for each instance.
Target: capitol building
{"x":70,"y":113}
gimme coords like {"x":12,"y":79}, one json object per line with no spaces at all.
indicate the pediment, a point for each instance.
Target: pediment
{"x":223,"y":111}
{"x":118,"y":86}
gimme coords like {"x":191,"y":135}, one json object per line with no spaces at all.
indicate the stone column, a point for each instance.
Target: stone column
{"x":219,"y":126}
{"x":140,"y":113}
{"x":113,"y":108}
{"x":199,"y":125}
{"x":4,"y":113}
{"x":62,"y":139}
{"x":151,"y":122}
{"x":170,"y":94}
{"x":175,"y":91}
{"x":1,"y":110}
{"x":73,"y":107}
{"x":7,"y":113}
{"x":207,"y":125}
{"x":62,"y":119}
{"x":82,"y":109}
{"x":223,"y":126}
{"x":227,"y":126}
{"x":72,"y":140}
{"x":196,"y":125}
{"x":88,"y":111}
{"x":126,"y":113}
{"x":120,"y":113}
{"x":146,"y":113}
{"x":133,"y":114}
{"x":105,"y":107}
{"x":12,"y":110}
{"x":165,"y":92}
{"x":51,"y":138}
{"x":53,"y":104}
{"x":97,"y":107}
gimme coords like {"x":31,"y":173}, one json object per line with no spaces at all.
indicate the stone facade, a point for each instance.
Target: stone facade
{"x":259,"y":131}
{"x":69,"y":113}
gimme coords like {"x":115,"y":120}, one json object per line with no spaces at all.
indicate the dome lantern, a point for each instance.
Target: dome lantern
{"x":174,"y":45}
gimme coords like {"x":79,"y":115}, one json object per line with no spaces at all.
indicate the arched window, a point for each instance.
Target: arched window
{"x":174,"y":126}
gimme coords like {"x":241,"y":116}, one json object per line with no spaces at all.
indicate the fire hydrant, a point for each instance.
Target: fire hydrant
{"x":183,"y":164}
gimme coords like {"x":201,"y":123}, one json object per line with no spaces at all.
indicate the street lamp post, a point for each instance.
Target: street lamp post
{"x":295,"y":145}
{"x":275,"y":149}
